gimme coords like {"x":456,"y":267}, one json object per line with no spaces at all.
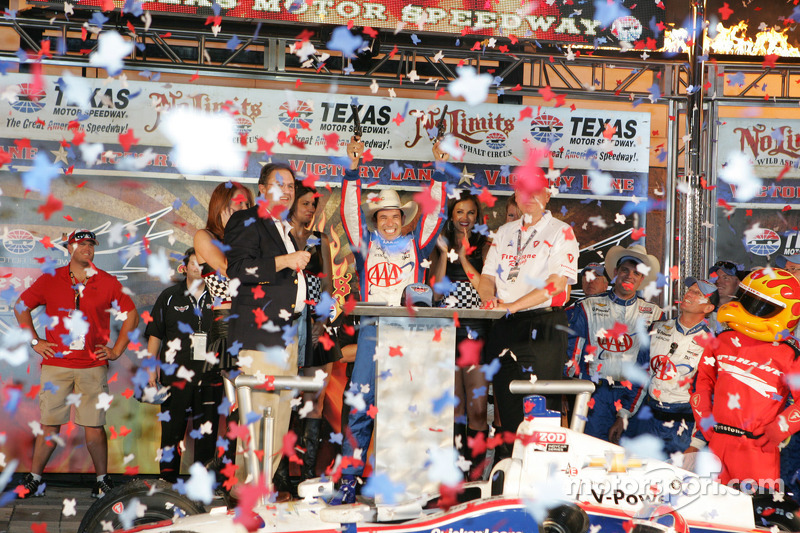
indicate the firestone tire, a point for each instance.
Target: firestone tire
{"x":781,"y":512}
{"x":163,"y":504}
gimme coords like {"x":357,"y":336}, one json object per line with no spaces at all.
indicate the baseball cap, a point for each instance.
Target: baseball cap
{"x":80,"y":235}
{"x":706,"y":287}
{"x":417,"y":295}
{"x":598,"y":268}
{"x":781,"y":260}
{"x":729,"y":267}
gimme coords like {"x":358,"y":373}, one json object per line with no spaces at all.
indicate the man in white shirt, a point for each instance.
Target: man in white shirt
{"x":529,"y":266}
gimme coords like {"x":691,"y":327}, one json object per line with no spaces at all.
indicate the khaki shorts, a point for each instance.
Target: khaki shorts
{"x":58,"y":383}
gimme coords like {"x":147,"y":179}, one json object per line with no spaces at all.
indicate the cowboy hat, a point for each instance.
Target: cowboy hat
{"x":388,"y":199}
{"x":636,"y":253}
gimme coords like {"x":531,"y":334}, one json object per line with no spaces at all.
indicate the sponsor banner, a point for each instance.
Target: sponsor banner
{"x":545,"y":21}
{"x":773,"y":148}
{"x":755,"y":237}
{"x":377,"y":173}
{"x":319,"y":125}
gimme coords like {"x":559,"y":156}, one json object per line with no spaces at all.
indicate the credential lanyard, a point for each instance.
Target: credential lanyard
{"x":520,"y":247}
{"x":76,"y":289}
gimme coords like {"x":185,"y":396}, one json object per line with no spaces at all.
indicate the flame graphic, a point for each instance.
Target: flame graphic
{"x":734,"y":41}
{"x":341,"y":278}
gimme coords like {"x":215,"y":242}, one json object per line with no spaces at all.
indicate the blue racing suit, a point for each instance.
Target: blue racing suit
{"x":674,"y":356}
{"x":384,"y":269}
{"x":607,"y":359}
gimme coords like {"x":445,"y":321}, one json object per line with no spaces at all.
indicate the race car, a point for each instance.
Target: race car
{"x":558,"y":480}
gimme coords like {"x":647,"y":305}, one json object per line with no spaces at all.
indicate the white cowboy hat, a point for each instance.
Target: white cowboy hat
{"x":389,"y":199}
{"x":639,"y":254}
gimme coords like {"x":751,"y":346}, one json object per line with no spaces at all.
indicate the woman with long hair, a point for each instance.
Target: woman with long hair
{"x":319,"y":279}
{"x":226,"y":199}
{"x":459,"y":257}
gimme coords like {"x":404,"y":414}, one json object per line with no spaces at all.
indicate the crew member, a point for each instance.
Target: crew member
{"x":604,"y":339}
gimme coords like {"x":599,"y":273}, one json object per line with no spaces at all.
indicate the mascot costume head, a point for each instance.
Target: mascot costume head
{"x":767,"y":306}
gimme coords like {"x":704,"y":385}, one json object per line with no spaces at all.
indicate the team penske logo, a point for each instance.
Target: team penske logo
{"x":181,"y":308}
{"x":384,"y":275}
{"x":619,"y":344}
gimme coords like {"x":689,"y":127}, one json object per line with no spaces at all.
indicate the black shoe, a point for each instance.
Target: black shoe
{"x":33,"y":488}
{"x":102,"y":487}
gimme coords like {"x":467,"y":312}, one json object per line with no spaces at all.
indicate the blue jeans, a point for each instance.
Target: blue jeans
{"x":359,"y":423}
{"x":603,"y":415}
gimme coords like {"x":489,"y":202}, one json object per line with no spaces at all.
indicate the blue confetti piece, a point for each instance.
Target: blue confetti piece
{"x":12,"y":399}
{"x":224,"y":407}
{"x":414,"y":39}
{"x":233,"y":43}
{"x":249,"y":221}
{"x":448,"y":399}
{"x":222,"y":247}
{"x":343,"y":40}
{"x":195,"y":434}
{"x":183,"y":327}
{"x":234,"y":348}
{"x":222,"y":442}
{"x":251,"y":418}
{"x":707,"y":422}
{"x":736,"y":80}
{"x":379,"y":484}
{"x":289,"y":334}
{"x":491,"y":369}
{"x":39,"y":177}
{"x":10,"y":294}
{"x":98,"y":19}
{"x":164,"y":417}
{"x":335,"y":438}
{"x":180,"y":486}
{"x":326,"y":306}
{"x":445,"y":286}
{"x":478,"y":392}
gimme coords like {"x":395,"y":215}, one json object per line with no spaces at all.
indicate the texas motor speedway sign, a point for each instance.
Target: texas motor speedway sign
{"x":307,"y":129}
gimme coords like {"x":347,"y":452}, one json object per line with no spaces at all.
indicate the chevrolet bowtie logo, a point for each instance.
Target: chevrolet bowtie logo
{"x":614,"y":463}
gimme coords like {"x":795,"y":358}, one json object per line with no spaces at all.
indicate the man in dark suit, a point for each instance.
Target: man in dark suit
{"x":267,"y":304}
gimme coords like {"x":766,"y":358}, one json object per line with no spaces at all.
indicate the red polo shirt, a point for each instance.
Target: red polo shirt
{"x":101,"y":295}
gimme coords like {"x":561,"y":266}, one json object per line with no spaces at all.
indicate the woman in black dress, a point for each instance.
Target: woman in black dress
{"x":459,"y":256}
{"x":321,"y":350}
